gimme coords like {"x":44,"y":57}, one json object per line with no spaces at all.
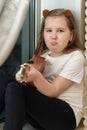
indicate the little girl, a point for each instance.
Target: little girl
{"x":55,"y":101}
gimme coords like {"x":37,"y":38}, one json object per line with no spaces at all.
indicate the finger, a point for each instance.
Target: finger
{"x":21,"y":76}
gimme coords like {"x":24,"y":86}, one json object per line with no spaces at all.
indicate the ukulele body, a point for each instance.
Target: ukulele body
{"x":37,"y":62}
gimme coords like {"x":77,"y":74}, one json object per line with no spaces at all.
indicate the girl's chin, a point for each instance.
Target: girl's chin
{"x":53,"y":49}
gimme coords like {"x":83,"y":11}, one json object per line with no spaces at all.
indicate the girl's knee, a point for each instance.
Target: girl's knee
{"x":14,"y":84}
{"x":13,"y":87}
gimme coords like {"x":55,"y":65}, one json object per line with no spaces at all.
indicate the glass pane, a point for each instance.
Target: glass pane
{"x":14,"y":60}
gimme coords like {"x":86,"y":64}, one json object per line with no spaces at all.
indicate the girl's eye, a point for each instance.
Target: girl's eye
{"x":49,"y":30}
{"x":60,"y":30}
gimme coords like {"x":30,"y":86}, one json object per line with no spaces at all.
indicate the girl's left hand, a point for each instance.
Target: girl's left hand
{"x":33,"y":74}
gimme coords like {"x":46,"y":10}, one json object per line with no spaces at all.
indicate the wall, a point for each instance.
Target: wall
{"x":74,"y":5}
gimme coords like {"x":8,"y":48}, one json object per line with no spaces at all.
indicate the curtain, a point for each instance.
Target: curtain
{"x":12,"y":17}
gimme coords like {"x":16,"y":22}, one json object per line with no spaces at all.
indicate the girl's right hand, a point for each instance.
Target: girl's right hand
{"x":19,"y":76}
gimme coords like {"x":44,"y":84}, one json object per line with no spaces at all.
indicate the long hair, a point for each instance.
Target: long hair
{"x":71,"y":23}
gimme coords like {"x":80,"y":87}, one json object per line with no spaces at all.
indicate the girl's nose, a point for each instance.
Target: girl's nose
{"x":54,"y":35}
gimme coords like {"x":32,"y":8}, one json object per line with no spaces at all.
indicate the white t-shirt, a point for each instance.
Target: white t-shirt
{"x":70,"y":66}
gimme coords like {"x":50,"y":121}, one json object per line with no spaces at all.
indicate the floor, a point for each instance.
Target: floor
{"x":1,"y":126}
{"x":30,"y":128}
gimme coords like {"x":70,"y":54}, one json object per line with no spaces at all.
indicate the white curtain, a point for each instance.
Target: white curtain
{"x":12,"y":16}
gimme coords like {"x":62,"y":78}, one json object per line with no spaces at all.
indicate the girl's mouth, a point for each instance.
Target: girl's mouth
{"x":53,"y":43}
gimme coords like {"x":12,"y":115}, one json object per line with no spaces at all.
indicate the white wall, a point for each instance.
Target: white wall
{"x":71,"y":4}
{"x":74,"y":5}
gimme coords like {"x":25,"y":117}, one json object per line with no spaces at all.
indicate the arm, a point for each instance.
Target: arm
{"x":53,"y":89}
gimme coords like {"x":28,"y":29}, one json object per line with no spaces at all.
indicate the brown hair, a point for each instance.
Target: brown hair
{"x":73,"y":45}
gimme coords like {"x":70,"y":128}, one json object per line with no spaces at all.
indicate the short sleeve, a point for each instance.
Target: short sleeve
{"x":74,"y":68}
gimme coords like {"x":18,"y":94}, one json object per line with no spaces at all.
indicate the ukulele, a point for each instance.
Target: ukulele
{"x":37,"y":62}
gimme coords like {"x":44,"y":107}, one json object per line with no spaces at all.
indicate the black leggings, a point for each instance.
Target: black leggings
{"x":3,"y":85}
{"x":44,"y":113}
{"x":4,"y":80}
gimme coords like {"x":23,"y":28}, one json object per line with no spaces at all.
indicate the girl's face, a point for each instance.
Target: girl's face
{"x":57,"y":34}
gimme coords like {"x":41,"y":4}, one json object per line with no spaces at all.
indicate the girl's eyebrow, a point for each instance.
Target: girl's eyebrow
{"x":56,"y":28}
{"x":48,"y":28}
